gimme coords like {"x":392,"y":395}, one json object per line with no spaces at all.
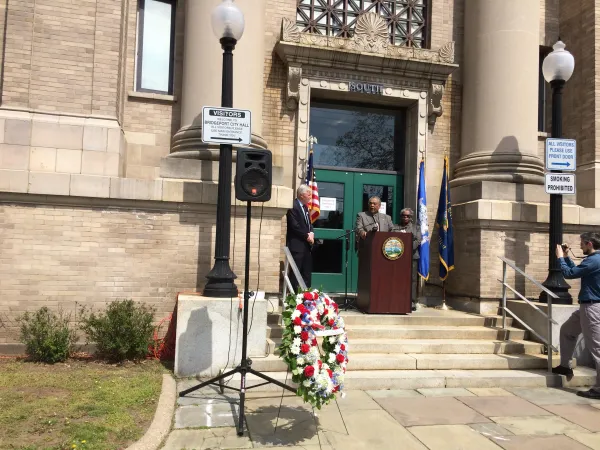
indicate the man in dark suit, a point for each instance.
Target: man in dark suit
{"x":300,"y":236}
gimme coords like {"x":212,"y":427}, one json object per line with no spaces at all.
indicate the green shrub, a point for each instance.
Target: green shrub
{"x":47,"y":336}
{"x":123,"y":331}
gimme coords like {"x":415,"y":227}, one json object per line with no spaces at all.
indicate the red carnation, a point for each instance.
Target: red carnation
{"x":304,"y":336}
{"x":340,"y":358}
{"x":335,"y":306}
{"x":297,"y":321}
{"x":320,"y":363}
{"x":308,"y":296}
{"x":305,"y":348}
{"x":343,"y":347}
{"x":331,"y":322}
{"x":314,"y":342}
{"x":301,"y":308}
{"x":335,"y":389}
{"x":330,"y":373}
{"x":309,"y":371}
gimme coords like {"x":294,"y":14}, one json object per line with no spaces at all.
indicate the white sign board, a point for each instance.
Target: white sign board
{"x":561,"y":154}
{"x":226,"y":125}
{"x":327,"y":203}
{"x":383,"y":208}
{"x":560,"y":183}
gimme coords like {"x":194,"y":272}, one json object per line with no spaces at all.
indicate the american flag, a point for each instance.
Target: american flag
{"x":311,"y":181}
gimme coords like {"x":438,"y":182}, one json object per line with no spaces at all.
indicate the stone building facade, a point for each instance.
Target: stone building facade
{"x":107,"y":191}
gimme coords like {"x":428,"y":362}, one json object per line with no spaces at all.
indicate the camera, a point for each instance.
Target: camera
{"x":565,"y":247}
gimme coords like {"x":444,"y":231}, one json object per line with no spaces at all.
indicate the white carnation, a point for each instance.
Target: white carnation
{"x":300,"y":360}
{"x":338,"y":348}
{"x":297,"y":329}
{"x":295,"y":314}
{"x":307,"y":382}
{"x":331,"y":358}
{"x":295,"y":371}
{"x":332,"y":339}
{"x":295,"y":349}
{"x":297,"y":342}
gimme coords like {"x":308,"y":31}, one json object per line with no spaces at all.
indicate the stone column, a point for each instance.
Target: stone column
{"x":202,"y":64}
{"x":500,"y":93}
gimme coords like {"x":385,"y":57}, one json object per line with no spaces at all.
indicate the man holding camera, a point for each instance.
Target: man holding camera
{"x":586,"y":320}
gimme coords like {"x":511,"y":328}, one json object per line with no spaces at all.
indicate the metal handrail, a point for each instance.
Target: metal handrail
{"x":548,"y":317}
{"x":290,"y":263}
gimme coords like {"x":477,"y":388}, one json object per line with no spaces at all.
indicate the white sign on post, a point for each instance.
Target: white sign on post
{"x":226,"y":125}
{"x":560,"y":183}
{"x":561,"y":154}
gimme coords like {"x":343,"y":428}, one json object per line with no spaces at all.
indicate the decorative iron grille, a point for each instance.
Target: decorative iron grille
{"x":407,"y":20}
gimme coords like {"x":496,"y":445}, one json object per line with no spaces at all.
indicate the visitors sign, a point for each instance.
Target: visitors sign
{"x":561,"y":154}
{"x":226,"y":125}
{"x":560,"y":183}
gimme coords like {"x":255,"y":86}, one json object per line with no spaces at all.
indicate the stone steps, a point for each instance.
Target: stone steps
{"x":432,"y":320}
{"x":400,"y":361}
{"x":421,"y":332}
{"x":433,"y":346}
{"x":417,"y":379}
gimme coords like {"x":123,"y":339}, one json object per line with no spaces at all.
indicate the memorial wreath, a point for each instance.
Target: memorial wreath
{"x":306,"y":317}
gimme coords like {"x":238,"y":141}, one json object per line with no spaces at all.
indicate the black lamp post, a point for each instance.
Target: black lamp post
{"x":228,"y":26}
{"x":558,"y":67}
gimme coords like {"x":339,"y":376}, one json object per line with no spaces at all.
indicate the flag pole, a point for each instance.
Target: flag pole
{"x":444,"y":306}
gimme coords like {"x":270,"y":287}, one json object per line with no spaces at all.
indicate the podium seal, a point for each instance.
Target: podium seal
{"x":393,"y":248}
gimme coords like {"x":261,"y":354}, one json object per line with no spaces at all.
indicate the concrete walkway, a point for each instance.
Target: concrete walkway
{"x":444,"y":419}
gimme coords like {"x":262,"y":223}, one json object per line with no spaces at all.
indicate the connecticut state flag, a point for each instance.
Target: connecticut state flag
{"x":443,"y":223}
{"x":423,"y":224}
{"x":314,"y":208}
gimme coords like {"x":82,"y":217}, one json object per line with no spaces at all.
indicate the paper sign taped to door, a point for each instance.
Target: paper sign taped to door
{"x":327,"y":204}
{"x":383,"y":208}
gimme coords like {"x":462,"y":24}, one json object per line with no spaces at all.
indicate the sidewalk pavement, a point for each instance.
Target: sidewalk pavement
{"x":444,"y":419}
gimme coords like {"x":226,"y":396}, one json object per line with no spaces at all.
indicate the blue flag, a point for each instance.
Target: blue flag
{"x":443,"y":223}
{"x":423,"y":225}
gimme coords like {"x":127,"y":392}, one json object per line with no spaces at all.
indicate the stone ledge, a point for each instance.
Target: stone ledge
{"x":98,"y":186}
{"x":498,"y":210}
{"x":152,"y":96}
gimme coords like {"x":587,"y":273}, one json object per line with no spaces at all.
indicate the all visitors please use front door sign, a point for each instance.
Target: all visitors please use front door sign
{"x":226,"y":125}
{"x":561,"y":154}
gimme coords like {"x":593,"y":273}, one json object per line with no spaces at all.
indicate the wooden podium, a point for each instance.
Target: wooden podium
{"x":385,"y":282}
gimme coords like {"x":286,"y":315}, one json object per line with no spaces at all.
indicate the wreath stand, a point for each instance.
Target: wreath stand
{"x":244,"y":368}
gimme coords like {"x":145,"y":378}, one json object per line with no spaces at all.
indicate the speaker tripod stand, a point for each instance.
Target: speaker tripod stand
{"x":244,"y":368}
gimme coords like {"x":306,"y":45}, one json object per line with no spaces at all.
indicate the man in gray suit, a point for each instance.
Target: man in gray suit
{"x":373,"y":220}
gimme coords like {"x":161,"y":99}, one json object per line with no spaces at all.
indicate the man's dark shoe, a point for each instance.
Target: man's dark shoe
{"x":562,"y":370}
{"x":589,"y":394}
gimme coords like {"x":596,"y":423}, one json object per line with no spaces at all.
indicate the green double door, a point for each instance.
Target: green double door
{"x":343,"y":194}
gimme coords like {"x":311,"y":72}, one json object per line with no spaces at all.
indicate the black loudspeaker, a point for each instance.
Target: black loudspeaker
{"x":253,"y":175}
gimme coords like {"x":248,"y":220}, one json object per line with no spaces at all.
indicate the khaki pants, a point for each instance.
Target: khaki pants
{"x":587,"y":321}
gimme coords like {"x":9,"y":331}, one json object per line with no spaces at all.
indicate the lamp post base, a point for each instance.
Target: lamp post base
{"x":564,"y":298}
{"x":556,"y":284}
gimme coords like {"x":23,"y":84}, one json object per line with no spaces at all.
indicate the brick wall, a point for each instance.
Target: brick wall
{"x":62,"y":56}
{"x":279,"y":122}
{"x":63,"y":256}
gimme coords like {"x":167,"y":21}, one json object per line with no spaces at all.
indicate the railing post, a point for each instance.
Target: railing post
{"x":550,"y":299}
{"x":504,"y":297}
{"x":286,"y":267}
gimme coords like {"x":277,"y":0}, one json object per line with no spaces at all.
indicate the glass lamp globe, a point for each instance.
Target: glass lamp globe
{"x":559,"y":64}
{"x":227,"y":21}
